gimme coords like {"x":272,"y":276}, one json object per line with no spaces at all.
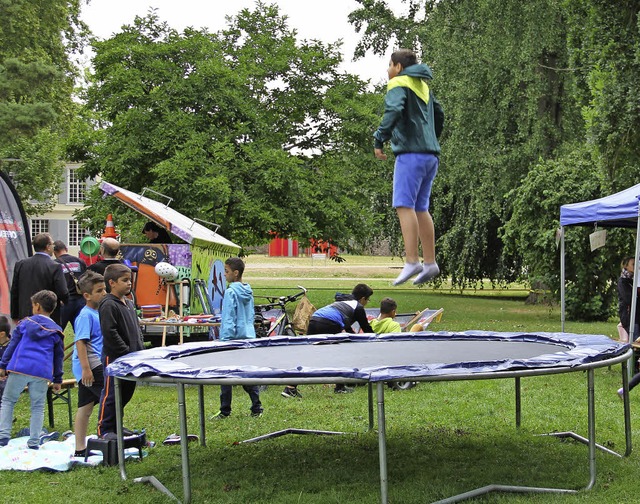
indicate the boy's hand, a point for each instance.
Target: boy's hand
{"x":380,"y":154}
{"x":56,"y":387}
{"x":87,"y":378}
{"x":3,"y":374}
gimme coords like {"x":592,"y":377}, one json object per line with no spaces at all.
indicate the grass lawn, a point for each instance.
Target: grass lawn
{"x":443,"y":438}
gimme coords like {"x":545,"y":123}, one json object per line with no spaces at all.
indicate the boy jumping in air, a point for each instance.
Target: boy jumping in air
{"x":413,"y":120}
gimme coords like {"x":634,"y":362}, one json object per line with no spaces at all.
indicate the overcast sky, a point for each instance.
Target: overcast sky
{"x":325,"y":20}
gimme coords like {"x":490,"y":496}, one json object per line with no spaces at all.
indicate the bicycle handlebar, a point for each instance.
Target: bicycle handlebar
{"x":281,"y":301}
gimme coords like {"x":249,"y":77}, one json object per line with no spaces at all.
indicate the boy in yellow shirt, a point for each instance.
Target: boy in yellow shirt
{"x":385,"y":323}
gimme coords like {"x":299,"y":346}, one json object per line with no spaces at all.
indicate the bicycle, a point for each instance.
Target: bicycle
{"x":271,"y":319}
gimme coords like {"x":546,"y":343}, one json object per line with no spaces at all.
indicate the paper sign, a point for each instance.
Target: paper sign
{"x":598,"y":239}
{"x":558,"y":236}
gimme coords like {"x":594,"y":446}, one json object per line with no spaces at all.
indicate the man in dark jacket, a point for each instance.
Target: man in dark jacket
{"x":36,"y":273}
{"x":72,"y":268}
{"x":109,"y":250}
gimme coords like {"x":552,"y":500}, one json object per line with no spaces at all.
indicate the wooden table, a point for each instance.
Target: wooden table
{"x":180,"y":324}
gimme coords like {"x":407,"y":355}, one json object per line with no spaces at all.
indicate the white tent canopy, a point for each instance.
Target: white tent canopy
{"x":617,"y":210}
{"x":180,"y":225}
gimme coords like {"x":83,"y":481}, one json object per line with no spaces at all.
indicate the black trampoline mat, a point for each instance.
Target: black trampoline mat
{"x":360,"y":355}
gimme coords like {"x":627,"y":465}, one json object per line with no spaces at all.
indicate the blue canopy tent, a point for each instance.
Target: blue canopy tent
{"x":618,"y":210}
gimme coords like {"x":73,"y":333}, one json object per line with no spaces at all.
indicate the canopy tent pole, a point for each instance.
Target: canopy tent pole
{"x":634,"y":293}
{"x":562,"y":277}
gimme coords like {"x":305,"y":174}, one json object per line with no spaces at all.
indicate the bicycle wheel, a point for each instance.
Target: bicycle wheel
{"x":288,"y":331}
{"x":404,"y":385}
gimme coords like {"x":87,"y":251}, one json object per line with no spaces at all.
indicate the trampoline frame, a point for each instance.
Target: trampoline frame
{"x":180,"y":383}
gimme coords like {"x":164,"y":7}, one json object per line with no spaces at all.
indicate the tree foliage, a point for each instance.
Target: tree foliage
{"x":37,"y":41}
{"x":249,"y":127}
{"x":542,"y":109}
{"x":495,"y":66}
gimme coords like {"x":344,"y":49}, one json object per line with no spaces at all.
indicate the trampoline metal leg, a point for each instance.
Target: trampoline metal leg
{"x":118,"y":393}
{"x":518,"y":403}
{"x":382,"y":444}
{"x":184,"y":441}
{"x":203,"y":441}
{"x":153,"y":481}
{"x":370,"y":399}
{"x":500,"y":488}
{"x":591,"y":429}
{"x":590,"y":442}
{"x":627,"y":410}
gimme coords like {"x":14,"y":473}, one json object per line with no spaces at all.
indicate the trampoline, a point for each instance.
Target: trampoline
{"x":374,"y":360}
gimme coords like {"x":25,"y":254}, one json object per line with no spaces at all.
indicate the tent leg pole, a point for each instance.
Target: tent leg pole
{"x":562,"y":274}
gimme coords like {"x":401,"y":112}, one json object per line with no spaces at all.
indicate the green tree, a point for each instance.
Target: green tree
{"x":498,"y":72}
{"x":605,"y":54}
{"x":37,"y":40}
{"x":531,"y":235}
{"x":250,"y":127}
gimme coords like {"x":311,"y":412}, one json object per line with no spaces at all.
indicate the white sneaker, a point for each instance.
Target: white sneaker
{"x":621,"y":393}
{"x":429,"y":272}
{"x":409,"y":270}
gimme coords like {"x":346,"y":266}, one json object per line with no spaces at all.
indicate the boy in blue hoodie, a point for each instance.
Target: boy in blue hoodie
{"x":33,"y":358}
{"x":413,"y":120}
{"x":237,"y":323}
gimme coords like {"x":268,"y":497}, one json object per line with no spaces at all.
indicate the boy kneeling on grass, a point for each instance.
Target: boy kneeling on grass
{"x":86,"y":364}
{"x":33,"y":358}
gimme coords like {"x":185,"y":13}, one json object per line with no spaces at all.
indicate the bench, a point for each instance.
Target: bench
{"x":64,"y":396}
{"x":319,"y":257}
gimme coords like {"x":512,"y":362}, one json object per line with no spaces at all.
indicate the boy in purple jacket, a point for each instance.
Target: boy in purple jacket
{"x":33,"y":358}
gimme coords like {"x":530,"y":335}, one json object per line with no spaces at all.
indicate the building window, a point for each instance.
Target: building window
{"x":39,"y":226}
{"x":76,"y":233}
{"x":77,"y":187}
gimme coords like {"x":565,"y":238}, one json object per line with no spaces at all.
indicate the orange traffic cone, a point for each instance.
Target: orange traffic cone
{"x":109,"y":229}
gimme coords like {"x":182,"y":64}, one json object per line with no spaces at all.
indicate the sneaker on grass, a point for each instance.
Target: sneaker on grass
{"x":50,"y":436}
{"x":291,"y":392}
{"x":219,"y":416}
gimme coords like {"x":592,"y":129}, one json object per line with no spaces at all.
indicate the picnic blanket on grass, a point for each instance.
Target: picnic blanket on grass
{"x":52,"y":455}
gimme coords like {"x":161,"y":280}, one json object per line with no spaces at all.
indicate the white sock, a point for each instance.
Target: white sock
{"x":409,"y":270}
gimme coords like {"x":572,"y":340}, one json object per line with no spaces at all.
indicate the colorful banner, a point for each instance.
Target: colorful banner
{"x":15,"y":240}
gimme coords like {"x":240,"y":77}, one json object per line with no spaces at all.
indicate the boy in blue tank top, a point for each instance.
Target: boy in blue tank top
{"x":86,"y":362}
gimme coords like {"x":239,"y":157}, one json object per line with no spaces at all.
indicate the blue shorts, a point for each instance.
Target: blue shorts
{"x":412,"y":180}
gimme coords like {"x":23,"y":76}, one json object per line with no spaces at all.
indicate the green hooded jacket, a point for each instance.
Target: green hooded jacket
{"x":413,"y":118}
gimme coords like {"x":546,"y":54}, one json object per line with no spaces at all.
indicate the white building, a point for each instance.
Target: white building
{"x":60,"y":222}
